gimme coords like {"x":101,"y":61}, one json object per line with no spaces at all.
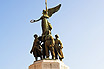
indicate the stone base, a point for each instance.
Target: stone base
{"x":48,"y":64}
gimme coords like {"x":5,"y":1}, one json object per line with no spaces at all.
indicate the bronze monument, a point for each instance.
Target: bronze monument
{"x":44,"y":44}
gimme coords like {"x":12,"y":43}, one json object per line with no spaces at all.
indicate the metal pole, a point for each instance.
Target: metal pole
{"x":46,"y":6}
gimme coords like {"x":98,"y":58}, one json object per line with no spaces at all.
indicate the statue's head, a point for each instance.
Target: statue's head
{"x":35,"y":36}
{"x":57,"y":36}
{"x":44,"y":12}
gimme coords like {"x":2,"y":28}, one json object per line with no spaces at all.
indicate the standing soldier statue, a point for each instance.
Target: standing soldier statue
{"x":36,"y":49}
{"x":49,"y":45}
{"x":58,"y":48}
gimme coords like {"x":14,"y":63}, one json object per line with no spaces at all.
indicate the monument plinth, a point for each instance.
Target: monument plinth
{"x":48,"y":64}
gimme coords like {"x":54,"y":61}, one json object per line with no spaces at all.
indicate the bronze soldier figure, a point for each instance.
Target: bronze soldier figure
{"x":58,"y":48}
{"x":36,"y":49}
{"x":43,"y":46}
{"x":49,"y":45}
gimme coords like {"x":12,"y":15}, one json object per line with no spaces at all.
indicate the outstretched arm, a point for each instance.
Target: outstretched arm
{"x":32,"y":21}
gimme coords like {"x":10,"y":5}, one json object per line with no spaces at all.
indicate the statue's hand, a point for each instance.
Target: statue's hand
{"x":51,"y":45}
{"x":31,"y":52}
{"x":32,"y":21}
{"x":40,"y":46}
{"x":61,"y":47}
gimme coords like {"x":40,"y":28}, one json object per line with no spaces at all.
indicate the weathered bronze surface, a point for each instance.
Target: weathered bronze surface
{"x":49,"y":45}
{"x":36,"y":49}
{"x":58,"y":48}
{"x":46,"y":26}
{"x":46,"y":44}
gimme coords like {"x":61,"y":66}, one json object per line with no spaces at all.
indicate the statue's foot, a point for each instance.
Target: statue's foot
{"x":53,"y":58}
{"x":47,"y":58}
{"x":60,"y":59}
{"x":41,"y":58}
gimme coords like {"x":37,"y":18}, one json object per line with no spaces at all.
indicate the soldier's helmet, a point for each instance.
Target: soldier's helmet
{"x":35,"y":35}
{"x":57,"y":36}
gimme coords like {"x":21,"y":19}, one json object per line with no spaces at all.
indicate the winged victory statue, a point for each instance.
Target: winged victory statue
{"x":46,"y":26}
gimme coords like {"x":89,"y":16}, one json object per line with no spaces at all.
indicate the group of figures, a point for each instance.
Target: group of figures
{"x":43,"y":49}
{"x":46,"y":44}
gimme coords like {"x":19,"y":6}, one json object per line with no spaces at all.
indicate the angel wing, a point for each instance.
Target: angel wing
{"x":53,"y":10}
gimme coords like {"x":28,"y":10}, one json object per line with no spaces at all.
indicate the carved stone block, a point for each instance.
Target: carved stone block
{"x":48,"y":64}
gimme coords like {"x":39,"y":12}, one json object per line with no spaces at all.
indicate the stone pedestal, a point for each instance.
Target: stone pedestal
{"x":48,"y":64}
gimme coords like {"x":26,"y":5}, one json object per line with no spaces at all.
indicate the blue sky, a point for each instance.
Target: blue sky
{"x":79,"y":23}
